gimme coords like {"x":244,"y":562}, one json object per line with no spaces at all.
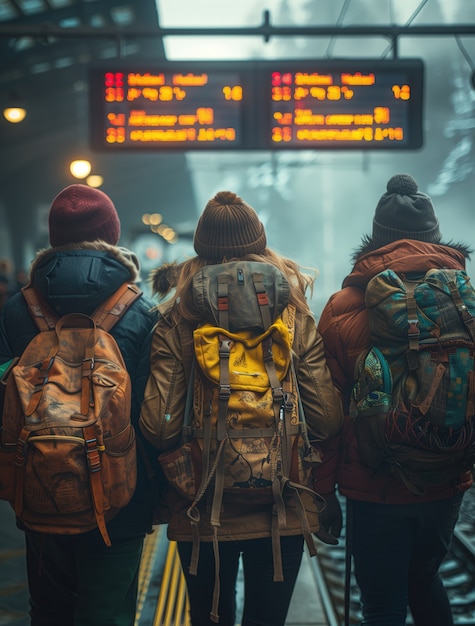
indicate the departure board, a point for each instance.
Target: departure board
{"x":267,"y":105}
{"x":344,"y":105}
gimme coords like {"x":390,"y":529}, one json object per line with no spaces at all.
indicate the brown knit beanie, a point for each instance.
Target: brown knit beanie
{"x":228,"y":227}
{"x":405,"y":213}
{"x":82,"y":213}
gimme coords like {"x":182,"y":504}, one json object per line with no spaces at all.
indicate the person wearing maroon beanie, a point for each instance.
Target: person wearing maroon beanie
{"x":77,"y":579}
{"x":82,"y":213}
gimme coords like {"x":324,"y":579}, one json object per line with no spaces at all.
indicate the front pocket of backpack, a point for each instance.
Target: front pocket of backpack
{"x":57,"y":476}
{"x":182,"y":469}
{"x":119,"y":467}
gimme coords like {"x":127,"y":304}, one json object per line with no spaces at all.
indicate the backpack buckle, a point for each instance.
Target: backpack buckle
{"x":413,"y":331}
{"x":225,"y":347}
{"x":224,"y":392}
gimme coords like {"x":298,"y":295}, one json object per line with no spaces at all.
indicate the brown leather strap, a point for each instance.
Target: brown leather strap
{"x":42,"y":315}
{"x":440,"y":370}
{"x":105,"y":316}
{"x":97,"y":488}
{"x":109,"y":312}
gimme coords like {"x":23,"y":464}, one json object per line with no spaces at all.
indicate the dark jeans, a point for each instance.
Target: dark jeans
{"x":266,"y":603}
{"x":397,"y":551}
{"x":77,"y":580}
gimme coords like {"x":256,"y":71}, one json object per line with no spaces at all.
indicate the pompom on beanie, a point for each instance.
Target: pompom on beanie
{"x":403,"y":212}
{"x":82,"y":213}
{"x":228,"y":228}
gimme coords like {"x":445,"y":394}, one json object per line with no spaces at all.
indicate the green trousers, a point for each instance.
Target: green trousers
{"x":78,"y":581}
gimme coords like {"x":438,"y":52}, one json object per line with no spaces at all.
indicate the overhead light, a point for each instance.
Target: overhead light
{"x":14,"y":110}
{"x":81,"y":168}
{"x":14,"y":115}
{"x":94,"y":180}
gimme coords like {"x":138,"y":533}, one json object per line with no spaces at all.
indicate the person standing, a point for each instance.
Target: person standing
{"x":399,"y":539}
{"x":228,"y":230}
{"x":76,"y":580}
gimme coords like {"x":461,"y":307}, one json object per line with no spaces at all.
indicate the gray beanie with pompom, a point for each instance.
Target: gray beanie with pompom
{"x":403,"y":212}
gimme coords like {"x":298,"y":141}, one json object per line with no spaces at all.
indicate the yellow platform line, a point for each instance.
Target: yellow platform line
{"x":172,"y":608}
{"x":146,"y":568}
{"x":172,"y":605}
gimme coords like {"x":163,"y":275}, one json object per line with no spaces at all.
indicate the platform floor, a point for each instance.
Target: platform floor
{"x":161,"y":583}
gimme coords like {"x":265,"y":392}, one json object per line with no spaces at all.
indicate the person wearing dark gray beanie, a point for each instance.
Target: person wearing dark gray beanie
{"x":76,"y":578}
{"x":231,"y":247}
{"x":399,"y":525}
{"x":403,"y":212}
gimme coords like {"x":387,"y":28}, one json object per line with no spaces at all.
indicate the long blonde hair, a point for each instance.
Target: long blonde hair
{"x":179,"y":277}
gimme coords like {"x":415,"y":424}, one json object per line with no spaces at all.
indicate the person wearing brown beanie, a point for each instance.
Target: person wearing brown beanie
{"x":230,"y":234}
{"x":77,"y":579}
{"x":397,"y":539}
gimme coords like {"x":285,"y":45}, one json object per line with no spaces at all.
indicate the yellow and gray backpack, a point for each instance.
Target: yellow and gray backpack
{"x":245,"y":439}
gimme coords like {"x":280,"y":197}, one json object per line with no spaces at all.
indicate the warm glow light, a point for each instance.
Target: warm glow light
{"x":80,"y":168}
{"x":94,"y":180}
{"x":14,"y":115}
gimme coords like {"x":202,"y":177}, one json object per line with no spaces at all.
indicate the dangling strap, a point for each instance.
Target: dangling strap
{"x":97,"y":488}
{"x":214,"y":616}
{"x":276,"y":550}
{"x":302,"y":515}
{"x":20,"y":458}
{"x":440,"y":370}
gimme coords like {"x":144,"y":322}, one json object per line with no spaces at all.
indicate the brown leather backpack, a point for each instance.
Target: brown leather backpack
{"x":68,"y":450}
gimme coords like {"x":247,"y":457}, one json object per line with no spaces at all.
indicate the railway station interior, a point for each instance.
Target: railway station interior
{"x":315,"y":200}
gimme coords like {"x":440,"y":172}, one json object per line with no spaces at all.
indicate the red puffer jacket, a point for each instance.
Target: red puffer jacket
{"x":345,"y":331}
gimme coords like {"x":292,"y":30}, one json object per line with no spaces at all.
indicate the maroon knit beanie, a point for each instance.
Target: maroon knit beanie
{"x":82,"y":213}
{"x":228,"y":228}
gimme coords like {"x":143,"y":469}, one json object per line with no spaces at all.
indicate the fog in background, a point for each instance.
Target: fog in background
{"x":317,"y":205}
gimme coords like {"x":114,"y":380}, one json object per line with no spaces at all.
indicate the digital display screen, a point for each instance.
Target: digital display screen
{"x":345,"y":105}
{"x":268,"y":105}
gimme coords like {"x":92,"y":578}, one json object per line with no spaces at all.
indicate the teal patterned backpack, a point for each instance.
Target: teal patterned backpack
{"x":413,"y":399}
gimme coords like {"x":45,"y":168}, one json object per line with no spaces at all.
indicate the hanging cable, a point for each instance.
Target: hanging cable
{"x":339,"y":21}
{"x":408,"y":23}
{"x":467,"y":57}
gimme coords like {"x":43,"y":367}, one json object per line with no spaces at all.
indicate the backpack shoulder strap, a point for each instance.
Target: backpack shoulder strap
{"x":109,"y":312}
{"x":41,"y":313}
{"x":105,"y":316}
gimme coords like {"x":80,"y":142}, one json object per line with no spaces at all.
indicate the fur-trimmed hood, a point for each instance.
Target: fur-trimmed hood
{"x":123,"y":255}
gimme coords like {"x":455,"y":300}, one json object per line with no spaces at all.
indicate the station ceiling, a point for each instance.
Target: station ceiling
{"x":48,"y":46}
